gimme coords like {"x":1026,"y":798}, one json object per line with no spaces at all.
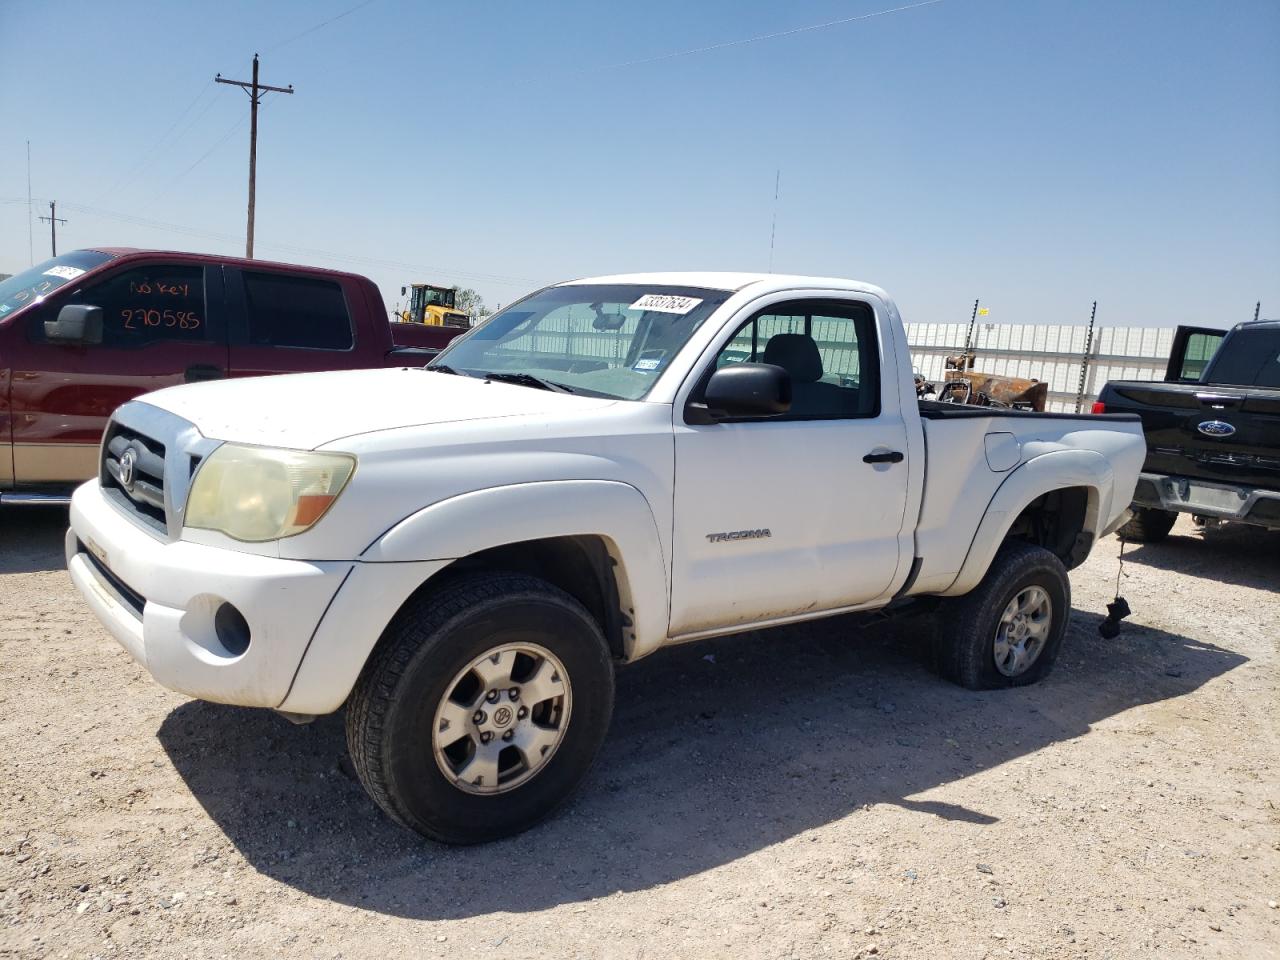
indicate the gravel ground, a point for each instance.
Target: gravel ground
{"x":801,"y":792}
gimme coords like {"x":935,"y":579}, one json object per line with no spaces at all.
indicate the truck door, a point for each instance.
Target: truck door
{"x":161,"y":326}
{"x":787,"y":515}
{"x":1193,"y":348}
{"x":290,"y":323}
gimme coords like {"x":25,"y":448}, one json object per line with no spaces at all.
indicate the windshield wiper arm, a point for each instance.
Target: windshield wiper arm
{"x":445,"y":368}
{"x":529,"y":380}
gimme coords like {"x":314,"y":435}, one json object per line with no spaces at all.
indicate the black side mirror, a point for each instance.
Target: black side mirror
{"x":746,"y":390}
{"x":76,"y":323}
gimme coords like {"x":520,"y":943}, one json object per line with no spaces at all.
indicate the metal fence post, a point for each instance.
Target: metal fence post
{"x":1084,"y":361}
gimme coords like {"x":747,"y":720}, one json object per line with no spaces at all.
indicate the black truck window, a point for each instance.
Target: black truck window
{"x":297,"y":312}
{"x":1248,"y":358}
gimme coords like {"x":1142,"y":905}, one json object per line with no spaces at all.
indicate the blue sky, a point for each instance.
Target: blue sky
{"x":1038,"y":155}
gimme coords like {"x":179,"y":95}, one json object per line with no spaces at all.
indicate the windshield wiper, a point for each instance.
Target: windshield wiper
{"x":529,"y":380}
{"x":445,"y":368}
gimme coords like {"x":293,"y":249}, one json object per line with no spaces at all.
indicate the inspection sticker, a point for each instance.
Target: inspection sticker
{"x":647,"y":364}
{"x":64,"y":273}
{"x":666,"y":303}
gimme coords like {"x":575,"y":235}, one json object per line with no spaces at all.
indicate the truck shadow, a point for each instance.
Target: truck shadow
{"x":705,"y":764}
{"x":31,"y":539}
{"x":1236,"y":554}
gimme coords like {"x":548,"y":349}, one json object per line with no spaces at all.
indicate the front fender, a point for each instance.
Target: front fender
{"x":422,"y":545}
{"x":1056,"y":470}
{"x":617,"y":512}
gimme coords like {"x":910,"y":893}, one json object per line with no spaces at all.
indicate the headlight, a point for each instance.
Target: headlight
{"x":257,"y":493}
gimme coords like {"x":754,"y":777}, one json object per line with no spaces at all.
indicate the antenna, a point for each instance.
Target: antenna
{"x":31,"y":249}
{"x":773,"y":228}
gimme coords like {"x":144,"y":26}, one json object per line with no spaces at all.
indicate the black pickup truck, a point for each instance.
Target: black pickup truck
{"x":1212,"y":429}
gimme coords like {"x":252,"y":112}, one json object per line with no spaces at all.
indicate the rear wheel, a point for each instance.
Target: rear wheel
{"x":1007,"y":631}
{"x":1148,"y":525}
{"x":483,"y":708}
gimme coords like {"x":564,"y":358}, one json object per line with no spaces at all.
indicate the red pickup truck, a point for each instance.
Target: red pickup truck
{"x":86,"y":331}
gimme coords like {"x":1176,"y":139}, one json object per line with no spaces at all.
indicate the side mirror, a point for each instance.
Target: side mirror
{"x":747,"y":390}
{"x":76,"y":323}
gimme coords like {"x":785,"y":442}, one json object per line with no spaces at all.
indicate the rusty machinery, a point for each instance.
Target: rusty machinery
{"x":965,"y":385}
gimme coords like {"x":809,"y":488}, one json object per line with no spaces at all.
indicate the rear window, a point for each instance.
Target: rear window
{"x":1247,"y":358}
{"x":297,"y":312}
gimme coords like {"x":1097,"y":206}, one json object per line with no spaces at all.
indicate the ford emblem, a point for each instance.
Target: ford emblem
{"x":128,"y":460}
{"x":1216,"y":428}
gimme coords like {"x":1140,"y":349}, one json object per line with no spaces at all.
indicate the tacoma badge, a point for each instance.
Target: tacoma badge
{"x":739,"y":535}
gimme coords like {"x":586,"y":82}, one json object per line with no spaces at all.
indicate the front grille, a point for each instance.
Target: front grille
{"x":133,"y":474}
{"x":458,"y":321}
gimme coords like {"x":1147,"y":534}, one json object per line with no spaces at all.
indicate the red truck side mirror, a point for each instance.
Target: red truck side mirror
{"x":76,"y":323}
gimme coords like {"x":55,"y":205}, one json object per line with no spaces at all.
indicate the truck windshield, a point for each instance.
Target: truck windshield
{"x":609,"y":340}
{"x":1247,"y":358}
{"x":32,"y":286}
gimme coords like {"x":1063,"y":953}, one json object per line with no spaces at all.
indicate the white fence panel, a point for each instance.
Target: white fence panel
{"x":1052,"y":353}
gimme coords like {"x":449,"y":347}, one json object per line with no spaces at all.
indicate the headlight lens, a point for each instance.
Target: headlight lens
{"x":259,"y":493}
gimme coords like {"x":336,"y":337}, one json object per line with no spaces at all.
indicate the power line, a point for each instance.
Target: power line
{"x":230,"y":132}
{"x":149,"y":156}
{"x":738,"y":43}
{"x":320,"y":26}
{"x":498,"y":279}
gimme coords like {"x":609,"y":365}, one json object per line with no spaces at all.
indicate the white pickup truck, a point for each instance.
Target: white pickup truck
{"x":461,"y":553}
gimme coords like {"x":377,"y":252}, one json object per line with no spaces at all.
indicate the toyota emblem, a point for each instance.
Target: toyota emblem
{"x":128,"y":461}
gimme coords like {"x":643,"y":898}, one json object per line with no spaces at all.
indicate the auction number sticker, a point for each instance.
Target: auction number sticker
{"x":64,"y":273}
{"x":666,"y":303}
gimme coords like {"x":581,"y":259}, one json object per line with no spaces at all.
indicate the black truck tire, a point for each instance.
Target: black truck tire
{"x":1007,"y":631}
{"x":1148,"y":525}
{"x":482,"y":709}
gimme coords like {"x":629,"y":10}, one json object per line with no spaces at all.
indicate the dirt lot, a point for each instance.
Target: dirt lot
{"x":798,"y":793}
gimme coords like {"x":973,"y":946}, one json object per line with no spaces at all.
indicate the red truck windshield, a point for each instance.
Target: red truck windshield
{"x":32,"y":286}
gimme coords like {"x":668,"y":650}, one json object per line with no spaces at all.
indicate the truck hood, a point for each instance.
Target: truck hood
{"x":306,"y":410}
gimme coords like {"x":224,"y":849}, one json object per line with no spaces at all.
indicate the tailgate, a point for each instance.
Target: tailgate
{"x":1217,"y":433}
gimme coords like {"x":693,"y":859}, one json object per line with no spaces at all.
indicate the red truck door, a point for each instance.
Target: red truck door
{"x":295,"y":323}
{"x":162,"y":324}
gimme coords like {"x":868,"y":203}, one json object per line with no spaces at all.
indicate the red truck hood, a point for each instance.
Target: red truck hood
{"x":303,"y":411}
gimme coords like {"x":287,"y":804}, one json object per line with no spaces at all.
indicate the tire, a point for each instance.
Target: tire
{"x":1148,"y":525}
{"x":976,"y":648}
{"x":426,"y":682}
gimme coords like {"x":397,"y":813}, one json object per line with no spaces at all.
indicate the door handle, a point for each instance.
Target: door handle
{"x":204,"y":371}
{"x":891,"y":456}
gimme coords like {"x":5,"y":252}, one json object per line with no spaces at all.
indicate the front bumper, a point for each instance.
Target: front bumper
{"x":1237,"y":502}
{"x":160,"y":599}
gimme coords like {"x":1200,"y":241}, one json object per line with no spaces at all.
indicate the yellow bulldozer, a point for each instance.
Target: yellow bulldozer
{"x":435,"y":306}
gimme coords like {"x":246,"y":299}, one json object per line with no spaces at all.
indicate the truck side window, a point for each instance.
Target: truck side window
{"x":145,"y":305}
{"x":297,"y":312}
{"x":829,"y":350}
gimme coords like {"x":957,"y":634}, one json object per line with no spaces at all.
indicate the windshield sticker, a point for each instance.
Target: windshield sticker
{"x":4,"y":308}
{"x":649,"y":364}
{"x":64,"y":273}
{"x":666,"y":303}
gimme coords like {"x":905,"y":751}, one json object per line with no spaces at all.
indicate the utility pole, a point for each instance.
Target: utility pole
{"x":255,"y":90}
{"x":53,"y":220}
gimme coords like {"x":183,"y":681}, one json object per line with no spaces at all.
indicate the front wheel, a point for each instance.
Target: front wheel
{"x":482,"y":709}
{"x":1007,"y":631}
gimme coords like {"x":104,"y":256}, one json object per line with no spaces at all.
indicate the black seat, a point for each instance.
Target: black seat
{"x":798,"y":354}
